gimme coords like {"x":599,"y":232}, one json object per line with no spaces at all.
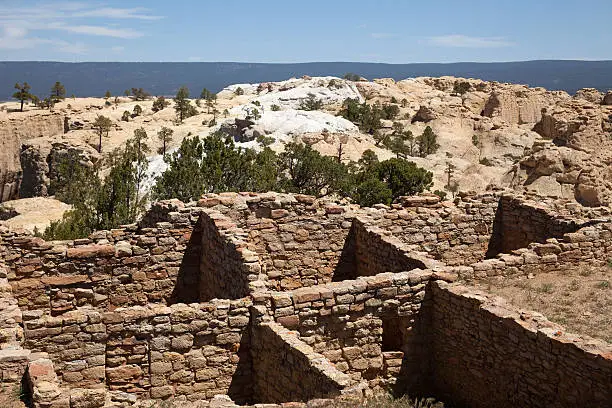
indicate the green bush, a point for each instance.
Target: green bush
{"x":311,"y":103}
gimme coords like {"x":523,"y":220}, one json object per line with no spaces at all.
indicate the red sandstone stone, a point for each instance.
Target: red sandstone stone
{"x":91,"y":251}
{"x":63,"y":280}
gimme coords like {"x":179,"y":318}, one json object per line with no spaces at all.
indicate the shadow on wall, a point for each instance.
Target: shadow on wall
{"x":516,"y":225}
{"x":188,"y":279}
{"x":367,"y":253}
{"x":241,"y":386}
{"x":346,"y":268}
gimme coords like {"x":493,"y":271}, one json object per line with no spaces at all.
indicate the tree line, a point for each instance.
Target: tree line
{"x":215,"y":164}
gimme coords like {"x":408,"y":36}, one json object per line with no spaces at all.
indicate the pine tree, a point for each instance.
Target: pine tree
{"x":101,"y":125}
{"x":58,"y":92}
{"x":165,"y":136}
{"x":23,"y":93}
{"x":182,"y":104}
{"x":427,"y":142}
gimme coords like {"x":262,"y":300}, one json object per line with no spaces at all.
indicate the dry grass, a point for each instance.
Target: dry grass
{"x":579,"y":299}
{"x":387,"y":401}
{"x":10,"y":396}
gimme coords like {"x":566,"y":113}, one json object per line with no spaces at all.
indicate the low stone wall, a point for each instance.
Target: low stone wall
{"x":589,"y":246}
{"x":377,"y":253}
{"x":456,"y":234}
{"x":197,"y":350}
{"x":487,"y":354}
{"x":286,"y":369}
{"x":344,"y":321}
{"x":519,"y":223}
{"x":300,"y":241}
{"x":122,"y":267}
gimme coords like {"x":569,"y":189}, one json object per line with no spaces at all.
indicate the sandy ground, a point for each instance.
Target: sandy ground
{"x":578,"y":298}
{"x":37,"y":212}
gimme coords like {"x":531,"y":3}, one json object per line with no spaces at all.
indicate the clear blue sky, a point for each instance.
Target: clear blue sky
{"x":396,"y":31}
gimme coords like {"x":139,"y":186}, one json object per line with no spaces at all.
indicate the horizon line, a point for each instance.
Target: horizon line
{"x":304,"y":62}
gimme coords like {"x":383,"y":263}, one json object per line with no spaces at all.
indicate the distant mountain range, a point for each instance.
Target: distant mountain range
{"x":164,"y":78}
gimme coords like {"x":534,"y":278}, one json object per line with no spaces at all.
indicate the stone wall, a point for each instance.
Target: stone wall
{"x":344,"y":321}
{"x":487,"y":354}
{"x":197,"y":350}
{"x":122,"y":267}
{"x":589,"y":246}
{"x":519,"y":223}
{"x":287,"y":369}
{"x":226,"y":266}
{"x":456,"y":234}
{"x":376,"y":253}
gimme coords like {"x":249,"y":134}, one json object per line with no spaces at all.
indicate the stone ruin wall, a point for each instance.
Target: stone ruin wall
{"x":380,"y":331}
{"x":287,"y":369}
{"x":485,"y":353}
{"x":519,"y":223}
{"x":196,"y":350}
{"x":122,"y":267}
{"x":344,"y":322}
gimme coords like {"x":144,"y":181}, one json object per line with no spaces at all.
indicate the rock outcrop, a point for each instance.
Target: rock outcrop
{"x":590,"y":95}
{"x":576,"y":160}
{"x":14,"y":130}
{"x":40,"y":161}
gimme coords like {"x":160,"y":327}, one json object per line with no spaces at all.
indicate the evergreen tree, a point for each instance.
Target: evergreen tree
{"x":101,"y":125}
{"x":165,"y":136}
{"x":159,"y":104}
{"x":58,"y":92}
{"x":304,"y":170}
{"x":23,"y":93}
{"x":373,"y":191}
{"x":206,"y":94}
{"x":126,"y":116}
{"x":139,"y":94}
{"x":427,"y":142}
{"x":137,"y":110}
{"x":107,"y":95}
{"x":403,"y":177}
{"x":101,"y":203}
{"x":181,"y":103}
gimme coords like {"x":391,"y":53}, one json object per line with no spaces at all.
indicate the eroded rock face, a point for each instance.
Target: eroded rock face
{"x":14,"y":130}
{"x":517,"y":105}
{"x":576,"y":124}
{"x":40,"y":161}
{"x":590,"y":95}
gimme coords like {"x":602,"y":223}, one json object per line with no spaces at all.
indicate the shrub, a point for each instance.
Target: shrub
{"x":311,"y":103}
{"x":349,"y":76}
{"x":373,"y":191}
{"x":159,"y":104}
{"x":461,"y":87}
{"x":441,"y":194}
{"x":485,"y":162}
{"x":239,"y":91}
{"x":275,"y":108}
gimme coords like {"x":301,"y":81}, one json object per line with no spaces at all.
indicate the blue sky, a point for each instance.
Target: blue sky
{"x":394,"y":31}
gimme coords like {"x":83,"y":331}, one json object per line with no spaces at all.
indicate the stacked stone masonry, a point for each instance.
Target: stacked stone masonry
{"x":275,"y":298}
